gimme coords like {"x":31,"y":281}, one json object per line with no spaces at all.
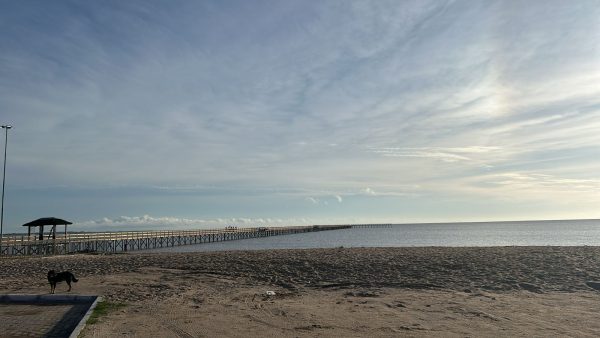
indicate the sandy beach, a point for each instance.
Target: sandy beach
{"x":362,"y":292}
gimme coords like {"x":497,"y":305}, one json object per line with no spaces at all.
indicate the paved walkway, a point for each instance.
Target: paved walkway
{"x":20,"y":320}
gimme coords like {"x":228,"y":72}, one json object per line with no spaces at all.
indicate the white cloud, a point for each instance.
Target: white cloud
{"x":312,"y":200}
{"x":369,"y":191}
{"x":124,"y":223}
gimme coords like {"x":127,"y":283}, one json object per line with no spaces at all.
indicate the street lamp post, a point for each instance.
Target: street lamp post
{"x":6,"y":128}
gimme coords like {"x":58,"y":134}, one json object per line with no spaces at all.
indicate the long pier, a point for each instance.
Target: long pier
{"x":112,"y":242}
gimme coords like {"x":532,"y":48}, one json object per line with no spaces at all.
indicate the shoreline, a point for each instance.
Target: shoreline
{"x":342,"y":291}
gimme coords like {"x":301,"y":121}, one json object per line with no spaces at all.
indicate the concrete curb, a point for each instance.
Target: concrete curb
{"x":46,"y":299}
{"x":84,"y":320}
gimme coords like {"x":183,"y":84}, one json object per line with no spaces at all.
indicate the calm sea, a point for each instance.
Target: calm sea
{"x":559,"y":233}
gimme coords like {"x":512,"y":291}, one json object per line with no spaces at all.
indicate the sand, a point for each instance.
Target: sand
{"x":360,"y":292}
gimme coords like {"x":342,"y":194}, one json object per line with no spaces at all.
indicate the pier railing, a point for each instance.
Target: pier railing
{"x":124,"y":241}
{"x":381,"y":225}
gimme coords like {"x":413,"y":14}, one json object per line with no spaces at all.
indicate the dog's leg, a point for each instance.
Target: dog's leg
{"x":69,"y":283}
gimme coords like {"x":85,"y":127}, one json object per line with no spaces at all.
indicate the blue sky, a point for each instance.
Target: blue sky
{"x":153,"y":114}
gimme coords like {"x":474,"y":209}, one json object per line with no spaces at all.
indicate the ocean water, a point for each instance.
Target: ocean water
{"x":523,"y":233}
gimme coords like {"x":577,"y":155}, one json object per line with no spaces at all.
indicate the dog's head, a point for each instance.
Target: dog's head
{"x":51,"y":273}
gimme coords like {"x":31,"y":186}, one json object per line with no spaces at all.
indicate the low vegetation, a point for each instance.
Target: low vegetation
{"x":102,"y":309}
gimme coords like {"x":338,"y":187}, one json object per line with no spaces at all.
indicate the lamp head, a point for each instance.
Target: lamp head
{"x":6,"y":127}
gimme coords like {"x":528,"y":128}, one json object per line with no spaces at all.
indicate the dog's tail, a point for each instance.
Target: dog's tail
{"x":74,"y":279}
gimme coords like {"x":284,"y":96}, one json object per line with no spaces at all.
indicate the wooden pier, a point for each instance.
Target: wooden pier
{"x":112,"y":242}
{"x":387,"y":225}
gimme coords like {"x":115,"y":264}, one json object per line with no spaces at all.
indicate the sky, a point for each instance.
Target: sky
{"x":193,"y":114}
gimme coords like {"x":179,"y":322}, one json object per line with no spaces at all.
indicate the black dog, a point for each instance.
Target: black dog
{"x":65,"y":276}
